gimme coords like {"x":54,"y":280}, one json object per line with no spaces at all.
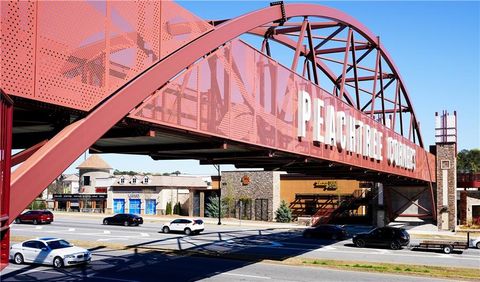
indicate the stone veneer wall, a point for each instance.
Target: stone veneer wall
{"x":263,"y":185}
{"x":446,"y":214}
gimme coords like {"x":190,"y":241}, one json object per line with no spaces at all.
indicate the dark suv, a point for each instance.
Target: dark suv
{"x":391,"y":237}
{"x":125,"y":219}
{"x":35,"y":217}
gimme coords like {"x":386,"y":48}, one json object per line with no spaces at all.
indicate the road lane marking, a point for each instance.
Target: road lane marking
{"x":106,"y":232}
{"x":38,"y":227}
{"x":144,"y":235}
{"x":245,"y":275}
{"x":71,"y":229}
{"x":111,"y":239}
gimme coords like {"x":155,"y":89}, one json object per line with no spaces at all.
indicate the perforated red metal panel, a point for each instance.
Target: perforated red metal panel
{"x":76,"y":53}
{"x":70,"y":68}
{"x":258,"y":107}
{"x":179,"y":26}
{"x":17,"y":46}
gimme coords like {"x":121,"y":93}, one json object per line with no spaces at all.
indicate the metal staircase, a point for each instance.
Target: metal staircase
{"x":347,"y":206}
{"x":306,"y":205}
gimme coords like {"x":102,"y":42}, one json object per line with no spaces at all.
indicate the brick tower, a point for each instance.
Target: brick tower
{"x":446,"y":164}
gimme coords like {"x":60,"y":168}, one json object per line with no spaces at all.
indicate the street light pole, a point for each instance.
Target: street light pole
{"x":219,"y":196}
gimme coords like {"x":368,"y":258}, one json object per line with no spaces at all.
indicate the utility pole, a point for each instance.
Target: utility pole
{"x":217,"y":167}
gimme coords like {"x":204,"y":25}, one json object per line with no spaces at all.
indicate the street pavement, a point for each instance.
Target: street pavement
{"x":131,"y":266}
{"x":247,"y":242}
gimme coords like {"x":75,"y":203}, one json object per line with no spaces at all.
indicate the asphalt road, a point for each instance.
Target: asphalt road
{"x":253,"y":242}
{"x":123,"y":266}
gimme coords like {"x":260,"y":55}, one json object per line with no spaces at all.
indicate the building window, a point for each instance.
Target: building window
{"x":134,"y":180}
{"x":145,"y":180}
{"x":122,"y":180}
{"x":86,"y":180}
{"x":445,"y":164}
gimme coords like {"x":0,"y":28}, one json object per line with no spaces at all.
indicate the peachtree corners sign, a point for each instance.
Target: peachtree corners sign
{"x":338,"y":129}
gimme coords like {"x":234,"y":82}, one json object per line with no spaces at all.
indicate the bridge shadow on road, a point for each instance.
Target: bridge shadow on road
{"x":195,"y":258}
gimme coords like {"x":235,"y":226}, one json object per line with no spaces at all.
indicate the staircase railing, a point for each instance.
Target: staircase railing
{"x":358,"y":198}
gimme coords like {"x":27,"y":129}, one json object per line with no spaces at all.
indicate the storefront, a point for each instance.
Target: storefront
{"x":80,"y":202}
{"x":256,"y":195}
{"x":152,"y":194}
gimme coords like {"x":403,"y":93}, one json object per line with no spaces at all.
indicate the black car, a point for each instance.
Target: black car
{"x":326,"y":231}
{"x":125,"y":219}
{"x":391,"y":237}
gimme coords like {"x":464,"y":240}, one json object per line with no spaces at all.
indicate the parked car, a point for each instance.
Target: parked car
{"x":391,"y":237}
{"x":187,"y":226}
{"x":326,"y":231}
{"x":125,"y":219}
{"x":51,"y":251}
{"x":35,"y":217}
{"x":475,"y":243}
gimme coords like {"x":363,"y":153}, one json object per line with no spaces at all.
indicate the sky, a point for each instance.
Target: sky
{"x":434,"y":44}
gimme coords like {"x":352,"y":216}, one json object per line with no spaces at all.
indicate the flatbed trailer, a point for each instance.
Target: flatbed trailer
{"x":446,"y":246}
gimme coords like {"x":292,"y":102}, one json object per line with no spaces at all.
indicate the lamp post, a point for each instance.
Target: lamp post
{"x":217,"y":167}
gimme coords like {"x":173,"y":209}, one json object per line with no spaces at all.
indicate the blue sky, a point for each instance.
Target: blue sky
{"x":435,"y":46}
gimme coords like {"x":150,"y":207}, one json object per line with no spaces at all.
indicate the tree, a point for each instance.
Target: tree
{"x":211,"y":209}
{"x":468,"y":161}
{"x":37,"y":204}
{"x":168,"y":209}
{"x":57,"y":186}
{"x":283,"y":213}
{"x":177,"y":209}
{"x":122,"y":172}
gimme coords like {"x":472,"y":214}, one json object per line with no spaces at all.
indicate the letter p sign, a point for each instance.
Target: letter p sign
{"x":304,"y":112}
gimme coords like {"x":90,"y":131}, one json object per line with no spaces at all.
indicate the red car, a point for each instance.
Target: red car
{"x":35,"y":217}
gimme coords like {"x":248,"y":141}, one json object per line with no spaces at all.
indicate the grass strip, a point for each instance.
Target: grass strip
{"x":402,"y":269}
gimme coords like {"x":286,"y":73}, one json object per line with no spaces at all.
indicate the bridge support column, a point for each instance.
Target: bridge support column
{"x":6,"y":113}
{"x":379,"y":210}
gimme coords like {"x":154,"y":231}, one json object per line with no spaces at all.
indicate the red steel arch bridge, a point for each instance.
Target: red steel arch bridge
{"x":152,"y":78}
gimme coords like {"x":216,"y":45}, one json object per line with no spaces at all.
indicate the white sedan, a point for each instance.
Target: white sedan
{"x":187,"y":226}
{"x":51,"y":251}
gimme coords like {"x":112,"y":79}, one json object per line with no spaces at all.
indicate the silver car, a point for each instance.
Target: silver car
{"x":475,"y":243}
{"x":51,"y":251}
